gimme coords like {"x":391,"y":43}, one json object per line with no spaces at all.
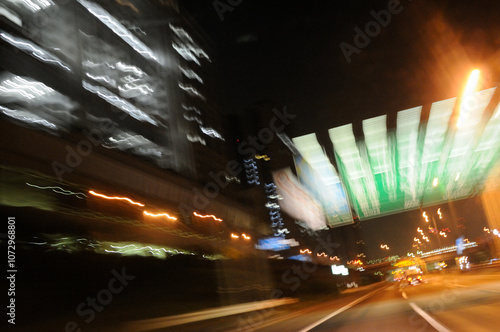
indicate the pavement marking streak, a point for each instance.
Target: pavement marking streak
{"x":435,"y":324}
{"x":344,"y":308}
{"x":458,"y":285}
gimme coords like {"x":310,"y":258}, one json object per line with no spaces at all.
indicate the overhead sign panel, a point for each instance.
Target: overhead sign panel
{"x":408,"y":155}
{"x":420,"y":164}
{"x":381,"y":150}
{"x":297,"y":201}
{"x":320,"y":177}
{"x":354,"y":167}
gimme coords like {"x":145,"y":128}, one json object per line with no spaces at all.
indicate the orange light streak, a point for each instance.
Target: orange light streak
{"x":118,"y":198}
{"x":246,"y":237}
{"x":207,"y":216}
{"x":305,"y":251}
{"x":159,"y":215}
{"x":472,"y":82}
{"x":469,"y":90}
{"x":234,"y":236}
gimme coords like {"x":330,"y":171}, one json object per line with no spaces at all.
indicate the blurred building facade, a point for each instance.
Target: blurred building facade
{"x":139,"y":72}
{"x":111,"y":92}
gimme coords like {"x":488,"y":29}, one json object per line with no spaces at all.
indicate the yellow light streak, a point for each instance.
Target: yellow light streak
{"x":469,"y":90}
{"x":113,"y":198}
{"x":265,"y":157}
{"x":425,"y":216}
{"x":159,"y":215}
{"x":234,"y":236}
{"x":207,"y":216}
{"x":470,"y":87}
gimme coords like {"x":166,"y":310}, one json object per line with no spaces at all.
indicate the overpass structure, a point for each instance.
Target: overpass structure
{"x":424,"y":261}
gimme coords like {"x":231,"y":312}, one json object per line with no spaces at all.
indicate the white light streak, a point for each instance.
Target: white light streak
{"x":191,"y":108}
{"x":129,"y":69}
{"x":191,"y":90}
{"x":445,"y":250}
{"x":106,"y":79}
{"x":34,"y":5}
{"x":191,"y":74}
{"x":113,"y":24}
{"x":193,"y":47}
{"x":20,"y":87}
{"x":196,"y":138}
{"x":119,"y":102}
{"x":28,"y":117}
{"x":33,"y":50}
{"x":211,"y":132}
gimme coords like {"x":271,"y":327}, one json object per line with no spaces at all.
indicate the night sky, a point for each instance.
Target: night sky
{"x":290,"y":52}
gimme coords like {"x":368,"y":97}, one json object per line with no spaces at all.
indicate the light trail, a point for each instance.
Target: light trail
{"x":115,"y":198}
{"x":207,"y":216}
{"x":425,"y":216}
{"x":159,"y":215}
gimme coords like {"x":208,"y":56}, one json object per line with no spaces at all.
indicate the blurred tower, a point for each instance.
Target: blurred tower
{"x":134,"y":76}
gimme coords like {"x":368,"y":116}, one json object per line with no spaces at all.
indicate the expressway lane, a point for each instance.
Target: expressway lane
{"x":463,"y":302}
{"x":385,"y":311}
{"x":445,"y":302}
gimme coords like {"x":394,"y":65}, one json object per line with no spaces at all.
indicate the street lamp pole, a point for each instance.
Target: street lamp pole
{"x":435,"y":227}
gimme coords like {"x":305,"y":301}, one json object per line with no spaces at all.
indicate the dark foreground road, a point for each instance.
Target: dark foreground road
{"x":447,"y":302}
{"x":444,"y":302}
